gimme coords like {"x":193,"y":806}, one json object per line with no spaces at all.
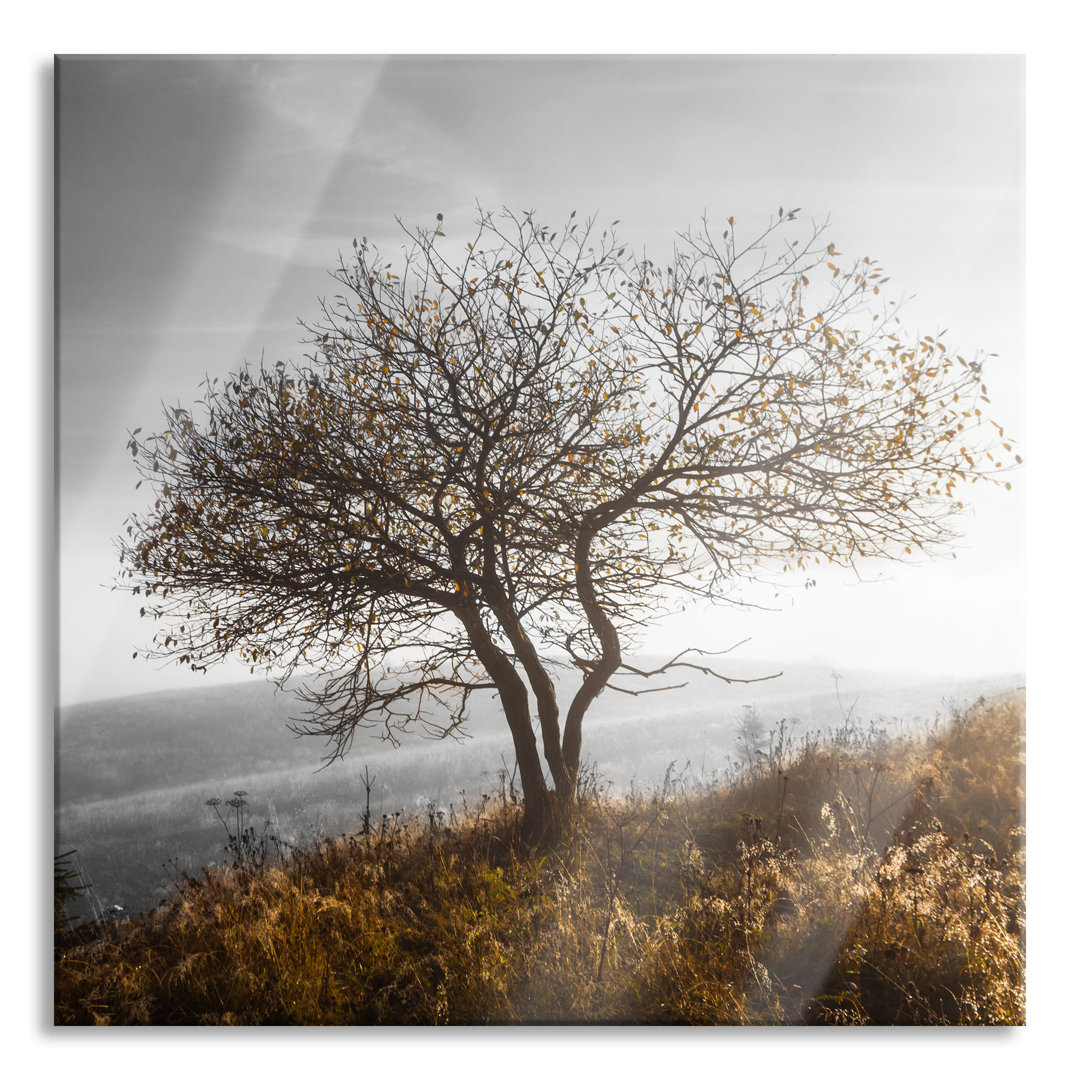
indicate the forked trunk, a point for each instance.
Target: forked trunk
{"x":547,"y":703}
{"x":539,"y":811}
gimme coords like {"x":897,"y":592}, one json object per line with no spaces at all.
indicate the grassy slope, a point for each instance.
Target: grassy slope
{"x":134,"y":773}
{"x":858,"y":880}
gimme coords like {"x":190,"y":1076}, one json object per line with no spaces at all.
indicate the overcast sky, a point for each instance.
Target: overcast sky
{"x":202,"y":202}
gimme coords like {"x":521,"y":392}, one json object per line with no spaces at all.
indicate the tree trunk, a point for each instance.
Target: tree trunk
{"x":610,"y":657}
{"x":547,"y":705}
{"x":538,"y":816}
{"x":537,"y":819}
{"x":547,"y":702}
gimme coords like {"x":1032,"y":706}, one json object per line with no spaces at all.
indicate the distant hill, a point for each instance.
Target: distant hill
{"x":119,"y":746}
{"x":154,"y":741}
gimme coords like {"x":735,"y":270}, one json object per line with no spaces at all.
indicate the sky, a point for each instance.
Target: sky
{"x":201,"y":203}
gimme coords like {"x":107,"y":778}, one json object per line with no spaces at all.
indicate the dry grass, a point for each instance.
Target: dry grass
{"x":850,"y":880}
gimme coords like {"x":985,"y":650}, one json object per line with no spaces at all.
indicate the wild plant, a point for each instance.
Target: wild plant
{"x":368,"y":781}
{"x":249,"y":849}
{"x":507,"y":777}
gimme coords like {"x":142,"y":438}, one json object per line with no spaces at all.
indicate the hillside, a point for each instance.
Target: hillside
{"x":134,"y":773}
{"x":855,"y":879}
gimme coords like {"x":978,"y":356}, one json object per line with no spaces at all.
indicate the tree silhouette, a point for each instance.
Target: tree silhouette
{"x":486,"y":467}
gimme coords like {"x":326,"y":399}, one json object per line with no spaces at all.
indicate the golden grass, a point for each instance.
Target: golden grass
{"x":862,"y":881}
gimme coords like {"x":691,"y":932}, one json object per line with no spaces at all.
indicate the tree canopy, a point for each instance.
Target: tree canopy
{"x":490,"y":461}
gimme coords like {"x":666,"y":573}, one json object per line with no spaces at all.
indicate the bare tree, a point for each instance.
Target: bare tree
{"x":488,"y":466}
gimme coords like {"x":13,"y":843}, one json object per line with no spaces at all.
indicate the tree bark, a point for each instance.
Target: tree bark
{"x":538,"y":818}
{"x":547,"y":702}
{"x":610,"y":656}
